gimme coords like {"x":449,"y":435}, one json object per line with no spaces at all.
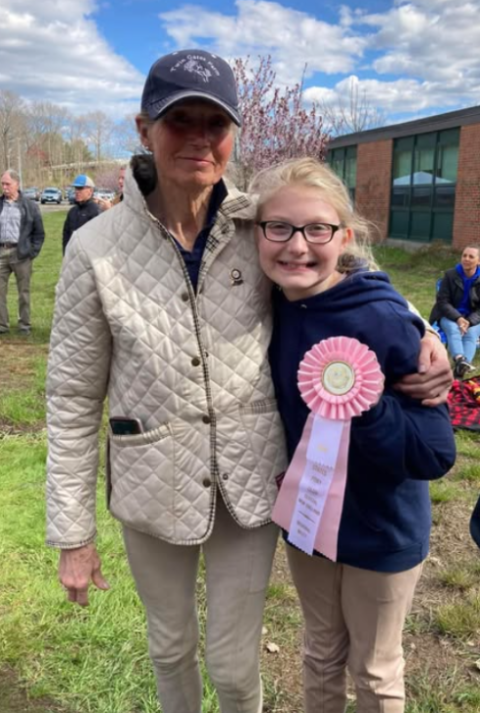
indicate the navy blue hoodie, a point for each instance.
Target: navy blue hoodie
{"x":397,"y":446}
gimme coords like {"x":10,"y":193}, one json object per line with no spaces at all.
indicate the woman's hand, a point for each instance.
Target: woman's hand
{"x":463,"y":324}
{"x":77,"y":568}
{"x":434,"y":378}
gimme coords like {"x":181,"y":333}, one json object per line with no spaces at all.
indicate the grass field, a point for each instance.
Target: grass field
{"x":60,"y":659}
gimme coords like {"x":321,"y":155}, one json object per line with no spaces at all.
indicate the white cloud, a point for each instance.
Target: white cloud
{"x":399,"y":97}
{"x":293,"y":38}
{"x":418,"y":55}
{"x":52,"y":51}
{"x":428,"y":48}
{"x":433,"y":40}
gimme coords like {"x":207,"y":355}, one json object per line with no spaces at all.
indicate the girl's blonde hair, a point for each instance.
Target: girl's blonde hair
{"x":312,"y":173}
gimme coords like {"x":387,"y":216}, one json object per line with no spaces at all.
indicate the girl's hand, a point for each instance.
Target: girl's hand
{"x":463,"y":324}
{"x":434,"y":378}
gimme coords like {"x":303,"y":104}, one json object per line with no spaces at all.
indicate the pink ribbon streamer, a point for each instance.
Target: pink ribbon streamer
{"x":310,"y":508}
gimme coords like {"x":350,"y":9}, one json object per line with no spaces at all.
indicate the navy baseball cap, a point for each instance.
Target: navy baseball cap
{"x":190,"y":74}
{"x":83,"y":181}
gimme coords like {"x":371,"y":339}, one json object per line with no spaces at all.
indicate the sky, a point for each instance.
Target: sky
{"x":412,"y":59}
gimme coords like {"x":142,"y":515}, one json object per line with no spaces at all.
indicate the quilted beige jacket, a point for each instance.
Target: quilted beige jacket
{"x":192,"y":368}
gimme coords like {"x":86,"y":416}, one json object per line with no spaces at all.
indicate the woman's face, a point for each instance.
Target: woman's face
{"x":470,"y":260}
{"x":301,"y":268}
{"x":191,"y":144}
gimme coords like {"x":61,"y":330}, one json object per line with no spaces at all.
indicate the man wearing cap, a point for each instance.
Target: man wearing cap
{"x":84,"y":209}
{"x":21,"y":239}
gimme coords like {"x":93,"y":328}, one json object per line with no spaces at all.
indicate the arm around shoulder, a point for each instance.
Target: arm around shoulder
{"x":399,"y":437}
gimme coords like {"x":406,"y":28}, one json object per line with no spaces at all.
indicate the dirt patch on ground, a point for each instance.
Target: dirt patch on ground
{"x":7,"y":428}
{"x":19,"y":363}
{"x":14,"y":699}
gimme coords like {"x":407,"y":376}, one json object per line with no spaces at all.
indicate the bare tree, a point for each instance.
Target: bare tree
{"x":47,"y":122}
{"x":99,"y":131}
{"x":276,"y":126}
{"x":107,"y":177}
{"x":352,"y":112}
{"x":47,"y":144}
{"x":12,"y":129}
{"x":75,"y":133}
{"x":125,"y":136}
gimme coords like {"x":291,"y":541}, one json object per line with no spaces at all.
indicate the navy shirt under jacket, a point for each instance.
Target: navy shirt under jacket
{"x":193,"y":258}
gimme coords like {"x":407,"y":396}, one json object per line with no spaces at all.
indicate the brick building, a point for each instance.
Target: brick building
{"x":418,"y":181}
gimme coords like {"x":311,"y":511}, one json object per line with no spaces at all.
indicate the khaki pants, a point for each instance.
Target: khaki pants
{"x":353,"y":617}
{"x":22,"y":270}
{"x":237,"y":569}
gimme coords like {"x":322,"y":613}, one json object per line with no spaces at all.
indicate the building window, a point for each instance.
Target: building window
{"x":424,"y":178}
{"x":344,"y":163}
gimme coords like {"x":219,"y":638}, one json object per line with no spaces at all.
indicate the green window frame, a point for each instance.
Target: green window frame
{"x":424,"y":176}
{"x":344,"y":163}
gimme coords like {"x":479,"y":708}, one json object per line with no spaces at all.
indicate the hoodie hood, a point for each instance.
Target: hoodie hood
{"x":358,"y":289}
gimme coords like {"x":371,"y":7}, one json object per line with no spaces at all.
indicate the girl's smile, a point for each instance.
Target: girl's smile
{"x":301,"y":268}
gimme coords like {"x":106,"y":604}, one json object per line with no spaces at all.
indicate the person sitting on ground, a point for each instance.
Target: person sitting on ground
{"x":85,"y":208}
{"x":457,"y":309}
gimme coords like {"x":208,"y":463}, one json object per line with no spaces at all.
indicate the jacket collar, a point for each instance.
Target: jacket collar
{"x":141,"y":179}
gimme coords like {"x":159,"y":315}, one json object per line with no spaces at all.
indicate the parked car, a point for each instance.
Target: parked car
{"x":32,"y":193}
{"x":104,"y":194}
{"x":51,"y":195}
{"x":70,"y":195}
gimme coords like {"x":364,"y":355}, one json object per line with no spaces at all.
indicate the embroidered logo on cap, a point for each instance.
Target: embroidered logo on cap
{"x":196,"y":64}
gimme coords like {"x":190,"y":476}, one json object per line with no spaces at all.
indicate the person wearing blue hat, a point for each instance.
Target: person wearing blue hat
{"x":84,"y":209}
{"x":162,"y":307}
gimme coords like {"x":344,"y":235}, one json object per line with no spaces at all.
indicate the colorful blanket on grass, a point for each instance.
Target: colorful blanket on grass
{"x":464,"y":404}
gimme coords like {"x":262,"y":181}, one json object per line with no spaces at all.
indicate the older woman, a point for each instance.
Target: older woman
{"x":162,"y":305}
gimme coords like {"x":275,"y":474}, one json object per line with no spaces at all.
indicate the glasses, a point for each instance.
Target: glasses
{"x":279,"y":232}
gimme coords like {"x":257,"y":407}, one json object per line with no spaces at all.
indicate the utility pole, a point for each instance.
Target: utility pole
{"x":19,"y":162}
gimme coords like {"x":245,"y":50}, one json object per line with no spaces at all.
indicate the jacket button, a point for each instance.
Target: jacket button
{"x":225,"y":476}
{"x":196,"y":361}
{"x":206,"y":419}
{"x":185,"y":296}
{"x":207,"y":482}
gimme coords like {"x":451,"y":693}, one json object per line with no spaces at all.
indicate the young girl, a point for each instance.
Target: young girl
{"x":313,"y":246}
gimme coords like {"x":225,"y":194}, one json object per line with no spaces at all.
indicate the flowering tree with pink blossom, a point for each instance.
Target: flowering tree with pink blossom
{"x":276,"y":126}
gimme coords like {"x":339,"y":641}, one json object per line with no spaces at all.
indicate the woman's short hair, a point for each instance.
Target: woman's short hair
{"x":472,"y":246}
{"x":312,"y":173}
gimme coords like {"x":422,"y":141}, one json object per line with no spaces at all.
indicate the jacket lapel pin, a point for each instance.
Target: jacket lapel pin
{"x":236,"y":277}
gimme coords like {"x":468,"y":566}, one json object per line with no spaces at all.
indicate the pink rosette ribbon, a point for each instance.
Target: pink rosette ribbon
{"x":338,"y":378}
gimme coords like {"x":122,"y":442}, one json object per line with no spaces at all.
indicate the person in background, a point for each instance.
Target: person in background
{"x":162,"y":307}
{"x":106,"y":204}
{"x":85,"y":208}
{"x":121,"y":180}
{"x":21,"y":239}
{"x":457,"y":310}
{"x":314,"y":247}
